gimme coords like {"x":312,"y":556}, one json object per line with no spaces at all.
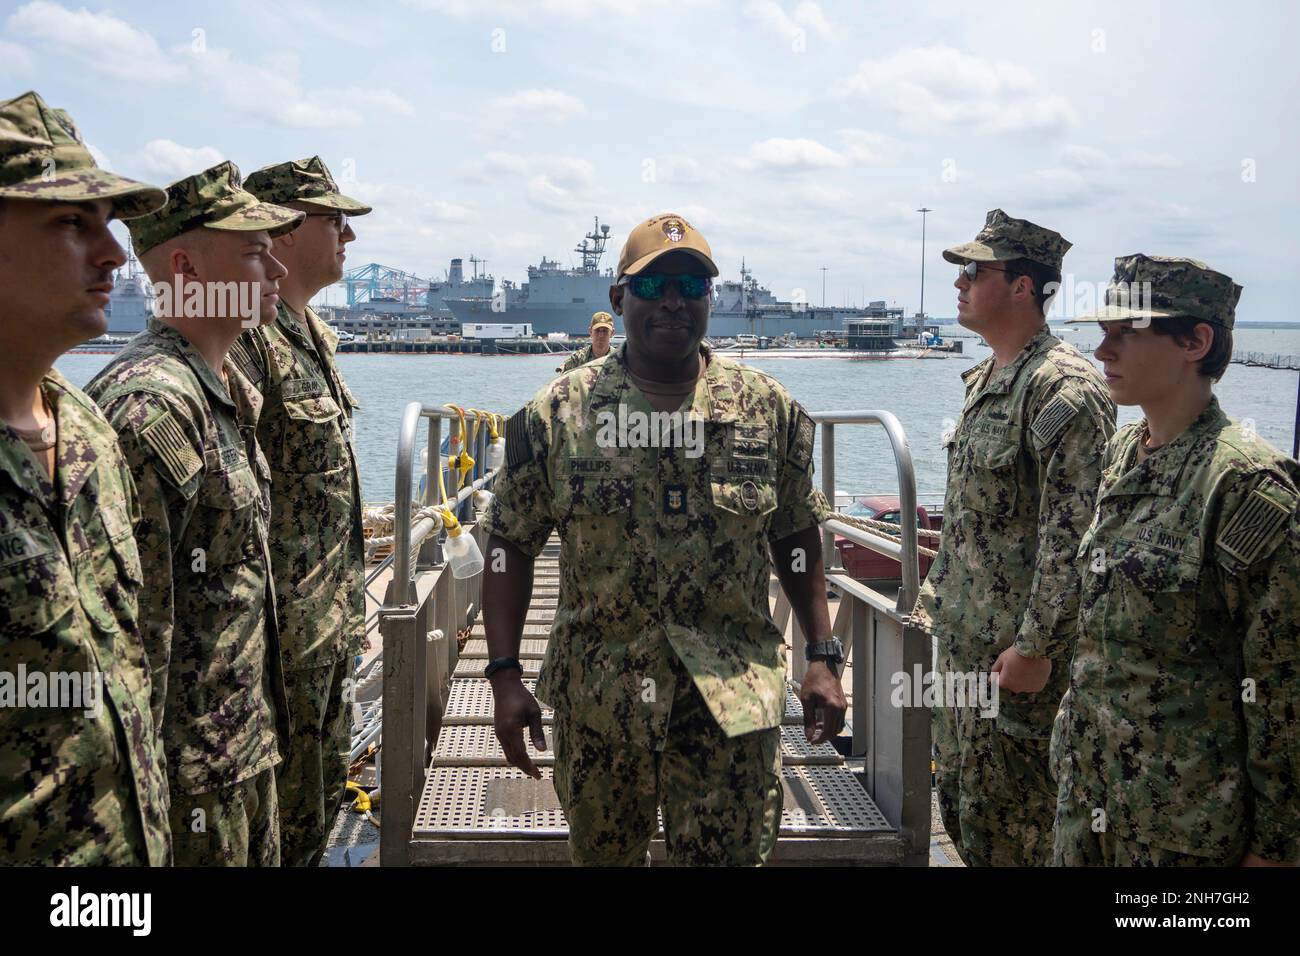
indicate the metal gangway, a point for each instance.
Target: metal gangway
{"x":448,"y":796}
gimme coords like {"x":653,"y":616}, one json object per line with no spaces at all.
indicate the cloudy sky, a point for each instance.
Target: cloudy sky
{"x":794,"y":134}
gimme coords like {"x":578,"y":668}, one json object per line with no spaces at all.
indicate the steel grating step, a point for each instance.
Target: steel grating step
{"x":469,"y":667}
{"x":531,"y":629}
{"x":466,"y":744}
{"x":470,"y":702}
{"x":477,"y":649}
{"x":503,"y":803}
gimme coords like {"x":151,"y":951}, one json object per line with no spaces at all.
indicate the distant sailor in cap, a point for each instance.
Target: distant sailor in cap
{"x":1176,"y":742}
{"x":602,"y":330}
{"x":1002,"y":596}
{"x":186,"y":417}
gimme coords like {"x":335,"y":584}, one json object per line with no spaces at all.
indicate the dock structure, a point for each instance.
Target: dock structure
{"x":459,"y":346}
{"x":448,"y":795}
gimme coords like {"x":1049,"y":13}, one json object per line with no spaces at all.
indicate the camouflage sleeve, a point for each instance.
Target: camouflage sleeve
{"x":798,"y":504}
{"x":521,"y":504}
{"x":1068,"y":433}
{"x":1257,"y":547}
{"x":164,"y":504}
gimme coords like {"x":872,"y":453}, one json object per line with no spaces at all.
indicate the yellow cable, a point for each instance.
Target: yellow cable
{"x":362,"y":803}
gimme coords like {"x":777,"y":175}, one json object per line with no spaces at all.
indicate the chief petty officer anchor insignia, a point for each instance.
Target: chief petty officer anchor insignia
{"x":675,"y":499}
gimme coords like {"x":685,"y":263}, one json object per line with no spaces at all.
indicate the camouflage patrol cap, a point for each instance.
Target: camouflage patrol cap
{"x":1004,"y":238}
{"x":1146,"y":287}
{"x":658,"y":236}
{"x":302,"y":180}
{"x":602,"y":318}
{"x":213,"y":199}
{"x":43,"y":157}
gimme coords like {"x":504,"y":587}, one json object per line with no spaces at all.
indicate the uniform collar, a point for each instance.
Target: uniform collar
{"x":290,"y":325}
{"x":713,"y":399}
{"x":75,"y":454}
{"x":1161,"y":471}
{"x":1001,"y":381}
{"x":183,"y":349}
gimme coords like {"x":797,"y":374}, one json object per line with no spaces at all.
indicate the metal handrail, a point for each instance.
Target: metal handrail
{"x":911,"y":581}
{"x":405,"y":538}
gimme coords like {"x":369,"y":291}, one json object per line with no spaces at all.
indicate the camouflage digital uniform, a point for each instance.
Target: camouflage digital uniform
{"x":317,"y":544}
{"x":79,"y":785}
{"x":664,"y":668}
{"x":75,"y":788}
{"x":1023,"y":465}
{"x":577,"y":359}
{"x":207,"y":603}
{"x":1176,"y":742}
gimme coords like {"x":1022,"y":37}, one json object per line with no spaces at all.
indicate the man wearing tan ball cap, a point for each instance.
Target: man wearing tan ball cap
{"x":186,"y":418}
{"x":602,"y":330}
{"x":80,"y":784}
{"x":665,"y":671}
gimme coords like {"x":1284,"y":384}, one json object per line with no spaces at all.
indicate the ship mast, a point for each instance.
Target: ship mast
{"x":593,"y":247}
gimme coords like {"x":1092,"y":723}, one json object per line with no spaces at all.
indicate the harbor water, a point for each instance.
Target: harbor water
{"x":926,"y":395}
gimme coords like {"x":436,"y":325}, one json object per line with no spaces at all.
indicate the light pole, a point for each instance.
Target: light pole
{"x":823,"y":287}
{"x":920,"y":322}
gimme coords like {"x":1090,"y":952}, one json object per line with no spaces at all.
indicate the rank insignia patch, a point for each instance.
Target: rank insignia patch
{"x":674,"y":499}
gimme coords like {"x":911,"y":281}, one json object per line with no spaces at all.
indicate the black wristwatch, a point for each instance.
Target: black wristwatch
{"x":832,"y":650}
{"x":501,"y":663}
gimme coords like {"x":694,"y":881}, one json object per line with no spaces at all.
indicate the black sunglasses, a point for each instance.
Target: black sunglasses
{"x":653,"y":285}
{"x":971,"y":270}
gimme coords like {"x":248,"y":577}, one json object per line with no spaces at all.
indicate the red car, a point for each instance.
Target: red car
{"x":866,"y":565}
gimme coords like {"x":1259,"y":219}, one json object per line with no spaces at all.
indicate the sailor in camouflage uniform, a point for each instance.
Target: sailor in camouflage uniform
{"x":1176,"y":743}
{"x":186,"y":417}
{"x":1001,"y":597}
{"x":601,"y":331}
{"x":82,"y":780}
{"x":664,"y":668}
{"x":317,"y":546}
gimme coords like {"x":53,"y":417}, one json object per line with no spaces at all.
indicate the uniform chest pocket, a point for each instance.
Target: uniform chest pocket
{"x":991,"y":482}
{"x":1152,"y":598}
{"x":313,"y":439}
{"x":226,"y":517}
{"x":36,"y":586}
{"x":594,"y":511}
{"x":743,"y":498}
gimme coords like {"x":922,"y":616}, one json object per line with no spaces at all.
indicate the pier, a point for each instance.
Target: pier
{"x":460,"y":346}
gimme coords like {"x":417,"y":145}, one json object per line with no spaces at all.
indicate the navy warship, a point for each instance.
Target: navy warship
{"x":559,"y":299}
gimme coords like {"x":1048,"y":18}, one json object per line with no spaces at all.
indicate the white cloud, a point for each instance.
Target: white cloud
{"x":1084,"y":157}
{"x":939,"y":86}
{"x":807,"y":18}
{"x":165,"y":161}
{"x":549,"y":9}
{"x":15,"y":60}
{"x":100,"y":40}
{"x":1144,"y":160}
{"x":106,"y":44}
{"x":547,"y":106}
{"x":864,"y":146}
{"x":791,"y":155}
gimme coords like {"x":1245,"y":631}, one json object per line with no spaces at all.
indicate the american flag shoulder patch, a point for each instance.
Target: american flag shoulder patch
{"x":1255,"y":525}
{"x":242,"y":355}
{"x":179,"y":461}
{"x":518,"y":448}
{"x":1053,"y":418}
{"x":803,"y":435}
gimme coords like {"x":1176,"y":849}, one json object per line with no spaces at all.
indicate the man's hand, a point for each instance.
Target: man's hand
{"x":1254,"y":859}
{"x":1018,"y":674}
{"x":823,"y":703}
{"x":513,"y":709}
